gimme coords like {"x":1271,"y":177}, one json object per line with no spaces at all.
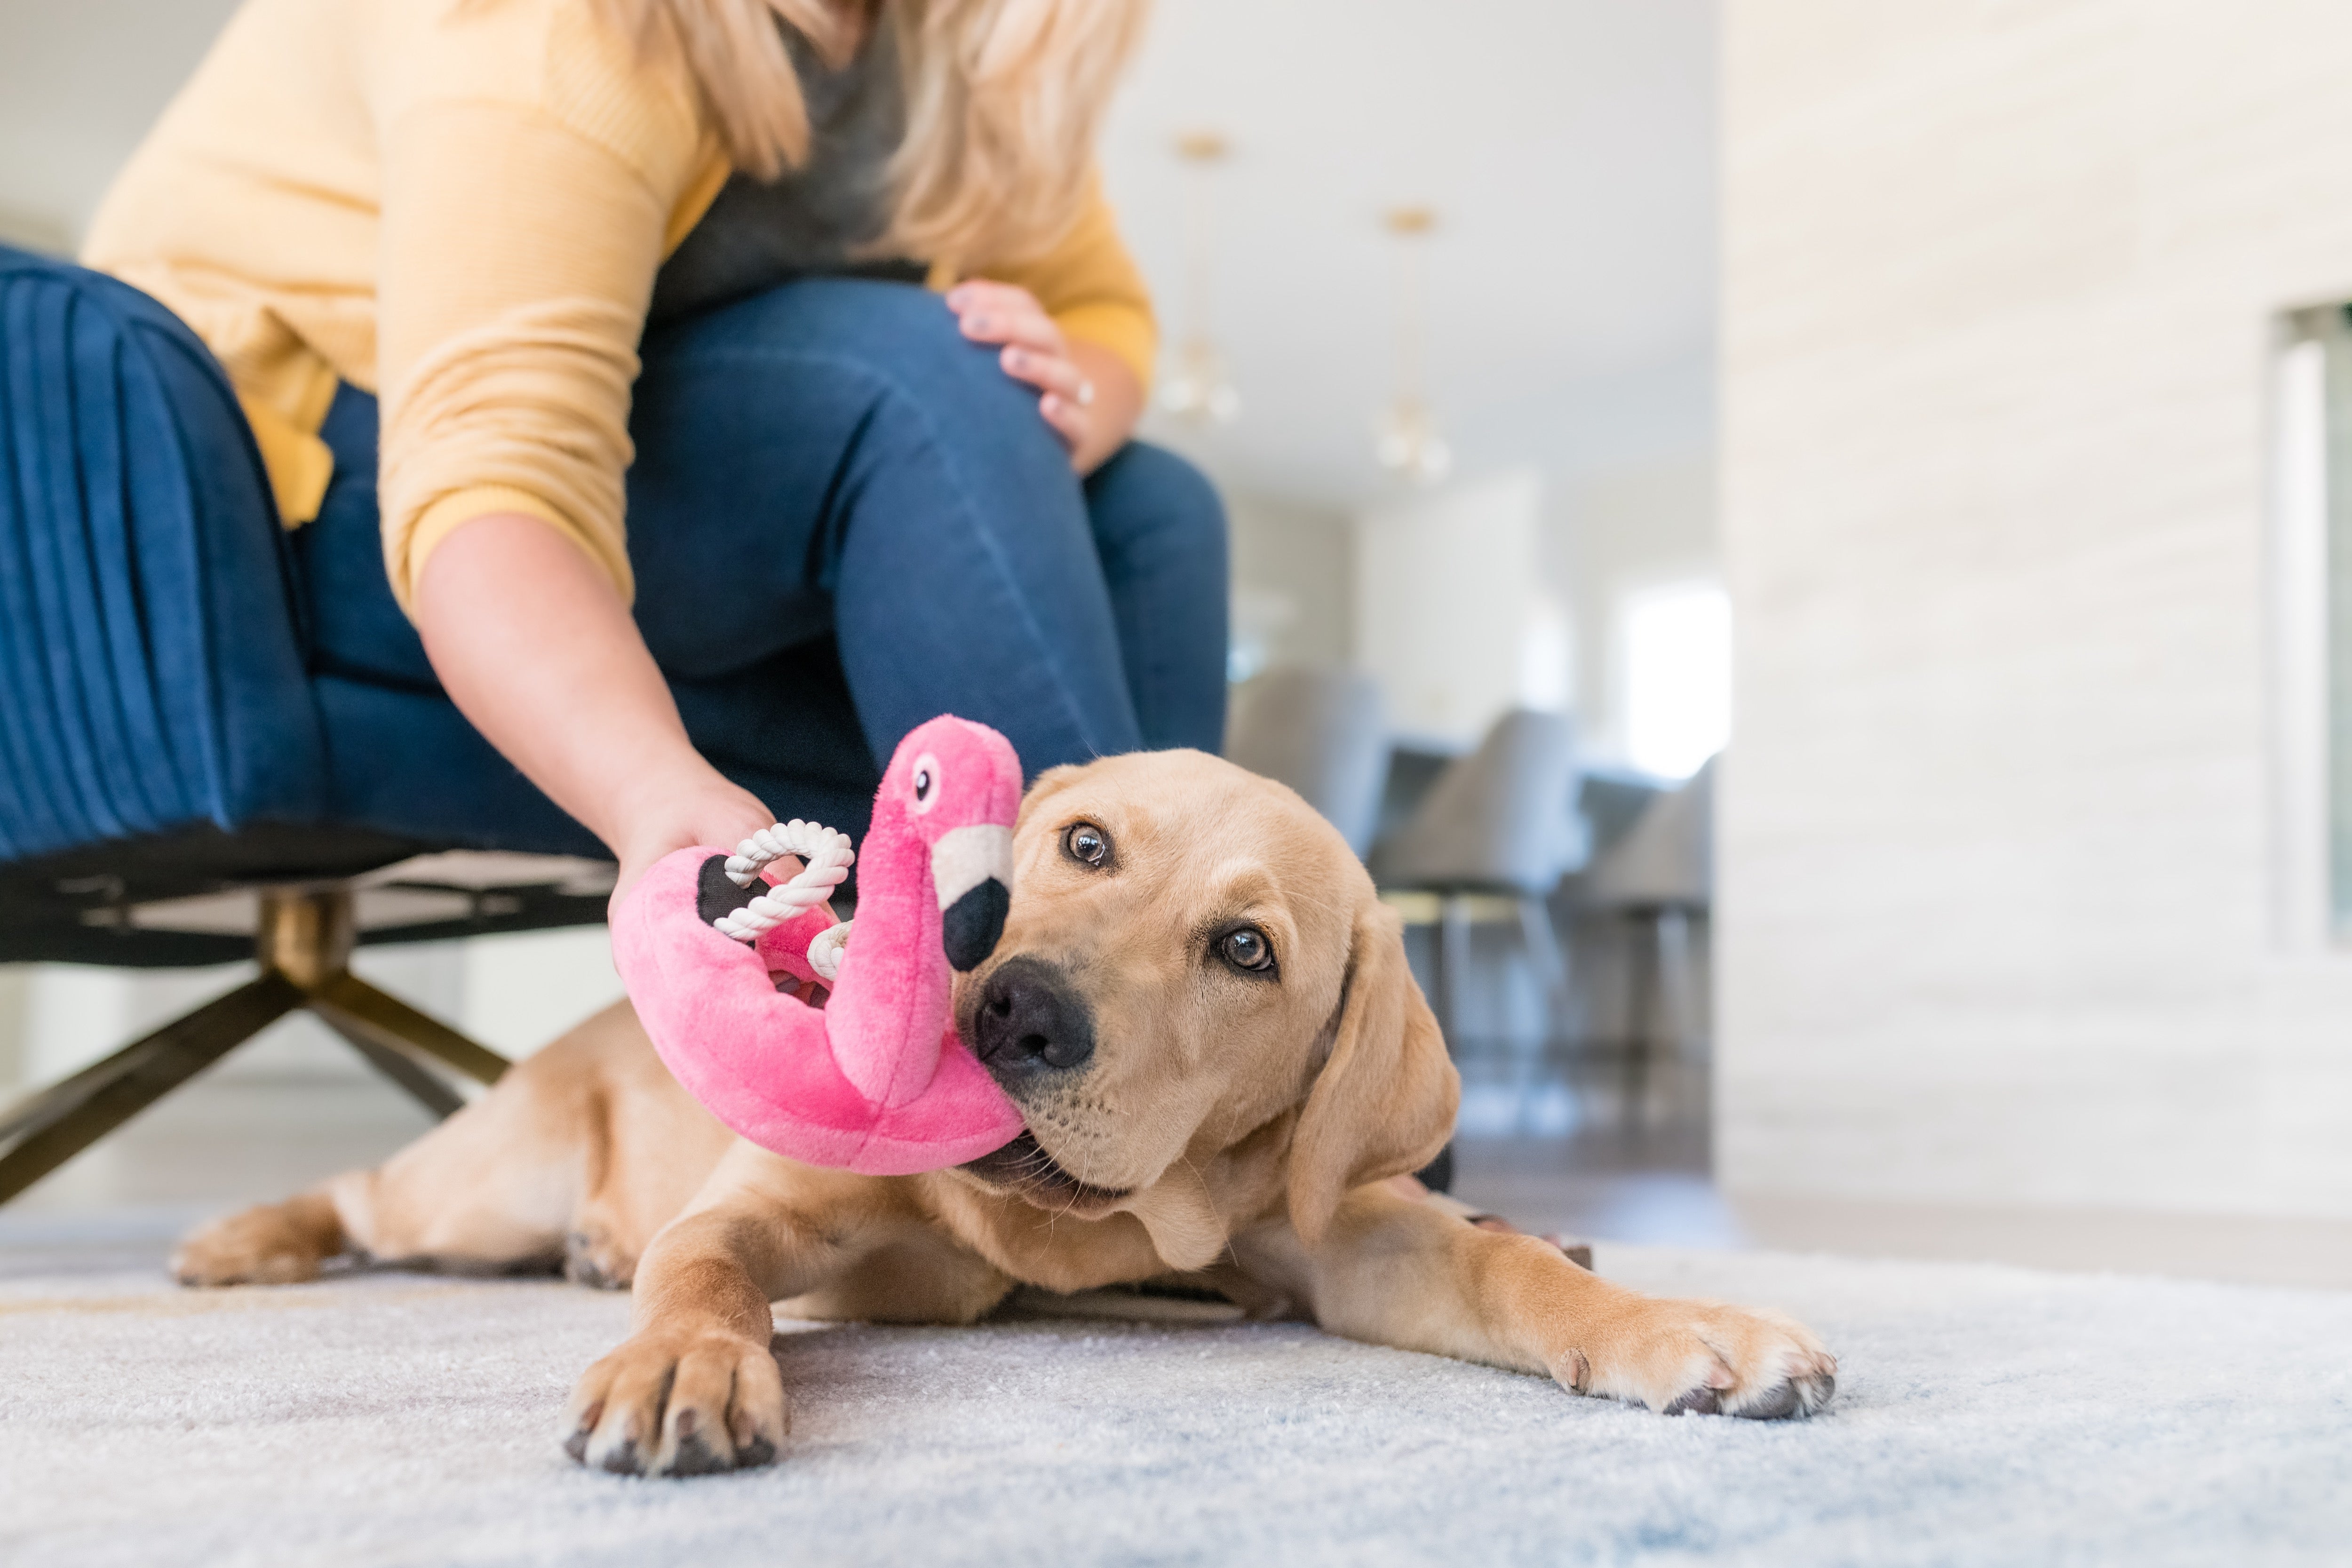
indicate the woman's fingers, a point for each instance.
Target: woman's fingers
{"x":1029,"y":329}
{"x":1001,"y":314}
{"x":1068,"y":396}
{"x":1034,"y":353}
{"x":1071,"y":422}
{"x":985,"y":294}
{"x":1047,"y":373}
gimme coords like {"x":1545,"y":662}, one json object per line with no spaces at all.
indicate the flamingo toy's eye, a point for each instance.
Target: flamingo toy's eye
{"x":926,"y":781}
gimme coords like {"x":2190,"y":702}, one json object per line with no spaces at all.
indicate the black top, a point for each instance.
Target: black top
{"x":817,"y":219}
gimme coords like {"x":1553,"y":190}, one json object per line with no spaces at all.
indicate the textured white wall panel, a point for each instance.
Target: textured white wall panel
{"x":2001,"y":288}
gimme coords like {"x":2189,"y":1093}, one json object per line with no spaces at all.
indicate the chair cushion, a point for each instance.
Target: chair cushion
{"x":151,"y":660}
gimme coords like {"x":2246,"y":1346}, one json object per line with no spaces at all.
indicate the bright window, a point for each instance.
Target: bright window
{"x":1676,"y":658}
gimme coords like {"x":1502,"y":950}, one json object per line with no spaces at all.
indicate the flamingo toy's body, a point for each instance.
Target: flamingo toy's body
{"x":876,"y":1081}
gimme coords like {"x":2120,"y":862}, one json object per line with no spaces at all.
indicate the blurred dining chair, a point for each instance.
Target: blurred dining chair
{"x":1495,"y":830}
{"x":1653,"y":883}
{"x":1320,"y":732}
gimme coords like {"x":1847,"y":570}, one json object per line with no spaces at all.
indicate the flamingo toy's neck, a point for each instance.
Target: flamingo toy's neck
{"x":889,"y":1007}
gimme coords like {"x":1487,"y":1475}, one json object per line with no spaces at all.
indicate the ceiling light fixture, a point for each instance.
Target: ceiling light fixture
{"x":1196,"y":389}
{"x":1409,"y":444}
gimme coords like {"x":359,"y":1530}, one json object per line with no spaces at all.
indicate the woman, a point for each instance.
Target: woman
{"x":494,"y":214}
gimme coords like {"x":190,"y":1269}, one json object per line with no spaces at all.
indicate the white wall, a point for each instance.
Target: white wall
{"x":1453,"y":611}
{"x":1628,"y":526}
{"x":1601,"y":528}
{"x":2001,"y":286}
{"x":519,"y":991}
{"x":79,"y":84}
{"x":1294,"y":581}
{"x":13,"y":982}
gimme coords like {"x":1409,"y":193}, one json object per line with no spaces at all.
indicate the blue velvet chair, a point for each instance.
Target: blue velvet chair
{"x":219,"y":738}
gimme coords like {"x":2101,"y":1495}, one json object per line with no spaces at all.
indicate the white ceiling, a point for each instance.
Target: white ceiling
{"x":1569,"y":149}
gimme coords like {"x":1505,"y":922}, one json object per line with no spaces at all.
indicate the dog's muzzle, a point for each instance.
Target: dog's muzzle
{"x":971,"y":869}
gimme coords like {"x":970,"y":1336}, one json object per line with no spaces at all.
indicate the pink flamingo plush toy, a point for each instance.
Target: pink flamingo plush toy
{"x":877,"y":1080}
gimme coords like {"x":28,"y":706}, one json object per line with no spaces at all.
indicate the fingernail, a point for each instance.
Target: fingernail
{"x":1016,"y":358}
{"x":978,"y":323}
{"x":1050,"y":403}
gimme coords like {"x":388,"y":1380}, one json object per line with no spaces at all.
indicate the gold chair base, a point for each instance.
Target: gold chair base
{"x":304,"y":944}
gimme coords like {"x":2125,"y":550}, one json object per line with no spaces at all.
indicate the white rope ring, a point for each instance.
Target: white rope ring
{"x":828,"y":855}
{"x":825,"y":954}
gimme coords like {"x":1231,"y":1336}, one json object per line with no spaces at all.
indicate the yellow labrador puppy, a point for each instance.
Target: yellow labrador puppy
{"x":1204,"y":1014}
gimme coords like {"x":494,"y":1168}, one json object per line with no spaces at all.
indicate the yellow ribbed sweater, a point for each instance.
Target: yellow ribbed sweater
{"x":459,"y":207}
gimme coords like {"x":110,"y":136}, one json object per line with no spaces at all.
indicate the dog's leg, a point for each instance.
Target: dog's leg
{"x":648,"y":1147}
{"x":588,"y":1138}
{"x":489,"y":1189}
{"x":695,"y":1388}
{"x":1395,"y":1272}
{"x":270,"y":1244}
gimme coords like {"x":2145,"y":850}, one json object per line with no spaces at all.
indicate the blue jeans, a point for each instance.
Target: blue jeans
{"x":833,"y":459}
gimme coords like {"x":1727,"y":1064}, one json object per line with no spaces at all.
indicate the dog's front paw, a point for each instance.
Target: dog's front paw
{"x":671,"y":1403}
{"x":1703,"y":1358}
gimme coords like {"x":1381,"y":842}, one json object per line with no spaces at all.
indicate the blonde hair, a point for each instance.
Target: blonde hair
{"x":1004,"y":100}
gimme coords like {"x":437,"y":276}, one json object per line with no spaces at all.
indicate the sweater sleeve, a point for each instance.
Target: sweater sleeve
{"x":1092,"y":287}
{"x":517,"y":255}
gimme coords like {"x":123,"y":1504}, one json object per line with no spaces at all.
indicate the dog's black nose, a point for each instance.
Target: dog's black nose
{"x":972,"y":924}
{"x":1030,"y":1022}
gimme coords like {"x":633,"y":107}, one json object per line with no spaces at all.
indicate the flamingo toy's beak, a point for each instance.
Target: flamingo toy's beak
{"x":971,"y":869}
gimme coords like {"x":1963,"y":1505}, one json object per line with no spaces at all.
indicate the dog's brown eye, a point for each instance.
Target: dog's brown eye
{"x":1246,"y":948}
{"x":1086,"y":842}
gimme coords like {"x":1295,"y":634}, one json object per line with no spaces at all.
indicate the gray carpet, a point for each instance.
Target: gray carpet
{"x":1984,"y":1416}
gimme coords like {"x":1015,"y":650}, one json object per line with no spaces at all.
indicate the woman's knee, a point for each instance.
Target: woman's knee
{"x":893,"y":338}
{"x":1145,"y":500}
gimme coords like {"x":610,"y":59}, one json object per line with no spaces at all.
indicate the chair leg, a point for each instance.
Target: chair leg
{"x":1454,"y":965}
{"x":404,"y":1071}
{"x":1678,"y":1022}
{"x":45,"y":1130}
{"x":1542,"y":941}
{"x":303,"y":942}
{"x":355,"y":1007}
{"x":1641,"y":1012}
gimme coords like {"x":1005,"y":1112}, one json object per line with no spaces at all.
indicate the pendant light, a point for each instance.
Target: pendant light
{"x":1409,"y":444}
{"x":1196,"y":389}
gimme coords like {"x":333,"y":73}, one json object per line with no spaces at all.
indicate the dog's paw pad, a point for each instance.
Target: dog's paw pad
{"x":695,"y":1457}
{"x":1776,"y":1403}
{"x":1698,"y":1402}
{"x":589,"y":1259}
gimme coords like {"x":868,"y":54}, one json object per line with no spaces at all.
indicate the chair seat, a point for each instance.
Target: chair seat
{"x":154,"y":902}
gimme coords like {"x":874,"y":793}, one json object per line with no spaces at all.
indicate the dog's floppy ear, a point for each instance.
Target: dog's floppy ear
{"x":1384,"y":1103}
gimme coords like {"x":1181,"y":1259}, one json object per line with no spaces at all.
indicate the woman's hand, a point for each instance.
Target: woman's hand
{"x":537,"y":648}
{"x":1086,"y":393}
{"x":695,"y":810}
